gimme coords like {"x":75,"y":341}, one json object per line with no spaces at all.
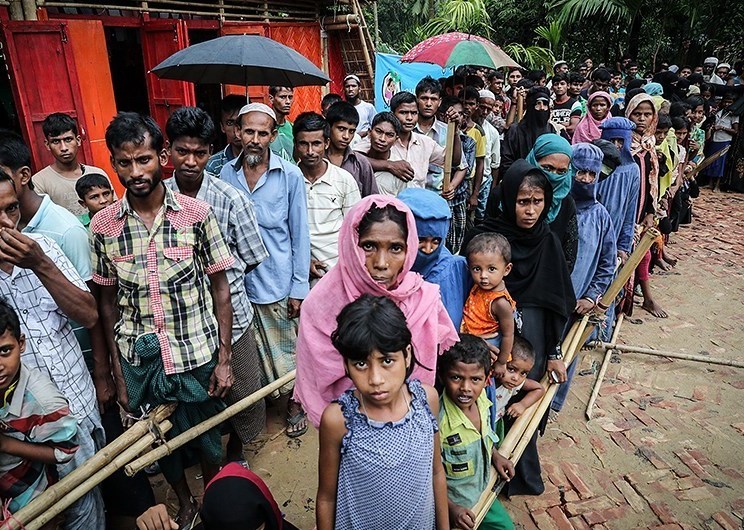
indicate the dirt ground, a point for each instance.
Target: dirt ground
{"x":665,"y":448}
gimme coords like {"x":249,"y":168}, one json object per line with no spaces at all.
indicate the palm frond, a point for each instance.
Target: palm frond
{"x":553,"y":33}
{"x":532,"y":57}
{"x":570,"y":11}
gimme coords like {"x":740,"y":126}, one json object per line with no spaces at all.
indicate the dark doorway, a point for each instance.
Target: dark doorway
{"x":127,"y":69}
{"x":8,"y":114}
{"x":208,"y":96}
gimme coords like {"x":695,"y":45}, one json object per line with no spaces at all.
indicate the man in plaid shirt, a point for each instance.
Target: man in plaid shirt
{"x":160,"y":260}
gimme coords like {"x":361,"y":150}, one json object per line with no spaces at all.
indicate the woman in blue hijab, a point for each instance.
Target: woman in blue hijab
{"x":434,"y":261}
{"x":552,"y":155}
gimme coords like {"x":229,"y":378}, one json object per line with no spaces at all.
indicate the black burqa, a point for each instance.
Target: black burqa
{"x":541,"y":285}
{"x":520,"y":136}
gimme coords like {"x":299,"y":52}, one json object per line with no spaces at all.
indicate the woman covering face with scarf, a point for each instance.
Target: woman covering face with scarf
{"x":520,"y":137}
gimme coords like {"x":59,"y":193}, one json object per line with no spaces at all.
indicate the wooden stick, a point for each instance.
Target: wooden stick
{"x":603,"y":369}
{"x":674,"y":355}
{"x":55,"y":493}
{"x":448,"y":148}
{"x":73,"y":494}
{"x":210,"y":423}
{"x":517,"y":440}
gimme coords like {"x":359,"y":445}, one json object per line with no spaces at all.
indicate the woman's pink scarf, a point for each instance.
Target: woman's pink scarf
{"x":321,"y":376}
{"x":588,"y":128}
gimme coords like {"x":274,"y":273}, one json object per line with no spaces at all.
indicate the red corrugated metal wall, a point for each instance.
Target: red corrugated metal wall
{"x":336,"y":70}
{"x":304,"y":38}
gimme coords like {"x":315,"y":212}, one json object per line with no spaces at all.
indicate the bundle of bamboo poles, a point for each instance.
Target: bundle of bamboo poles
{"x":524,"y":428}
{"x":124,"y":450}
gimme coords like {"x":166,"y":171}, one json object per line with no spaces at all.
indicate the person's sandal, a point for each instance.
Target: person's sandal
{"x":191,"y":523}
{"x":293,"y":421}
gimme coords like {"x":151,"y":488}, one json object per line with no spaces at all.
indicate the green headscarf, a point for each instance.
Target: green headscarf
{"x":548,"y":144}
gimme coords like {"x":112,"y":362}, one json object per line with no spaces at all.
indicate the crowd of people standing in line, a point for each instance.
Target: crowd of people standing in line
{"x":335,"y":245}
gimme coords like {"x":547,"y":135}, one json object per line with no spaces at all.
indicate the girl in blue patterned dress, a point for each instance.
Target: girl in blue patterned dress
{"x":379,"y":440}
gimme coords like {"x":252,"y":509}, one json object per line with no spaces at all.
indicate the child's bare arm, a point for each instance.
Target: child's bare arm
{"x":441,"y":503}
{"x":502,"y":311}
{"x":502,"y":464}
{"x":332,"y":431}
{"x":534,"y":391}
{"x":35,"y":452}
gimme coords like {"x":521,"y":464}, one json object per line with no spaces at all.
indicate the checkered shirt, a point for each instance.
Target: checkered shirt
{"x":51,"y":345}
{"x":161,"y":275}
{"x":237,"y":219}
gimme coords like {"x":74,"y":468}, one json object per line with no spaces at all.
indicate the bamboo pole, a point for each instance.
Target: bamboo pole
{"x":673,"y":355}
{"x":603,"y":369}
{"x":199,"y":429}
{"x":57,"y":491}
{"x":448,"y":148}
{"x":517,"y":441}
{"x":518,"y":430}
{"x":117,"y":463}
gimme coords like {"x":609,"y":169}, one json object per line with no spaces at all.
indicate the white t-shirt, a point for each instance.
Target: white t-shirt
{"x":367,"y":113}
{"x":726,"y":119}
{"x":503,"y":395}
{"x":329,"y":199}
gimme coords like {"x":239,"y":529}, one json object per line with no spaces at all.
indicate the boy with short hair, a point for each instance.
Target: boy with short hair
{"x":58,"y":179}
{"x":468,"y":440}
{"x":343,"y":120}
{"x":38,"y":429}
{"x":470,"y":98}
{"x":95,"y":193}
{"x":229,"y":108}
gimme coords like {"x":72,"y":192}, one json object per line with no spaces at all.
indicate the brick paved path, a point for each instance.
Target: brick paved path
{"x":665,"y":449}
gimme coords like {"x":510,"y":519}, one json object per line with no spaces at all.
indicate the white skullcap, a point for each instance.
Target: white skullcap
{"x":711,"y":60}
{"x":727,"y":66}
{"x":486,"y":94}
{"x":258,"y":107}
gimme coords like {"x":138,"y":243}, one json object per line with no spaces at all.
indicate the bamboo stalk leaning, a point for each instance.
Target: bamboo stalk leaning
{"x":199,"y":429}
{"x":74,"y":493}
{"x":55,"y":492}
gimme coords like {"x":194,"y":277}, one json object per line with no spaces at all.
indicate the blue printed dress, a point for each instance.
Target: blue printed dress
{"x":385,"y":478}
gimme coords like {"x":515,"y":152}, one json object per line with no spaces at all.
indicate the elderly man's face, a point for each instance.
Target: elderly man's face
{"x":257,"y":131}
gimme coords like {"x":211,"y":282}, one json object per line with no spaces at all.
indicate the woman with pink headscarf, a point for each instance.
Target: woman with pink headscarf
{"x":378,"y":244}
{"x":598,"y":111}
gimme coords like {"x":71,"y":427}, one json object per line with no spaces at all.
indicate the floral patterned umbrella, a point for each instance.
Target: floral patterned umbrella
{"x":459,"y":49}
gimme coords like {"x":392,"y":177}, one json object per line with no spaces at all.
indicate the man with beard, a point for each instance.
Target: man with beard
{"x":277,"y":287}
{"x":165,"y":307}
{"x":366,"y":110}
{"x":520,"y":137}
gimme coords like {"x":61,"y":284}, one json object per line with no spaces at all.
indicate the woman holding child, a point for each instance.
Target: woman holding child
{"x":540,"y":283}
{"x":378,"y":245}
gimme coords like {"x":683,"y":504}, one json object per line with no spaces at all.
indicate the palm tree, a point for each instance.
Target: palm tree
{"x":620,"y":12}
{"x":467,"y":16}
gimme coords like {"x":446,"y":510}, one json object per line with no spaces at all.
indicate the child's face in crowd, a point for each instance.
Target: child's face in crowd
{"x":642,"y":116}
{"x":428,"y":245}
{"x":342,"y":133}
{"x":599,"y":108}
{"x":96,"y":199}
{"x":380,"y":376}
{"x":382,"y":136}
{"x":681,"y":135}
{"x":464,"y":382}
{"x":384,"y":252}
{"x":698,"y":114}
{"x":10,"y":358}
{"x":516,"y":372}
{"x":530,"y":205}
{"x":488,"y":269}
{"x":661,"y":135}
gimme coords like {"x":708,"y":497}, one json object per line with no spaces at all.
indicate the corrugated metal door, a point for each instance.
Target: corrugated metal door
{"x":44,"y":80}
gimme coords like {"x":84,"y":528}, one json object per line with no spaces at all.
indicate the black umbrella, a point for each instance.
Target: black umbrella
{"x":247,"y":60}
